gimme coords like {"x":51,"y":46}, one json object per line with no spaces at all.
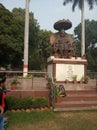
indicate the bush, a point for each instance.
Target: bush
{"x":39,"y":102}
{"x":26,"y":103}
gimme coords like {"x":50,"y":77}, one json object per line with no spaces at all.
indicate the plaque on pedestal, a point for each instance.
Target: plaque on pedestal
{"x":65,"y":69}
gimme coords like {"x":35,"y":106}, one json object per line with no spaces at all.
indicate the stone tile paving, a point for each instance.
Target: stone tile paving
{"x":40,"y":84}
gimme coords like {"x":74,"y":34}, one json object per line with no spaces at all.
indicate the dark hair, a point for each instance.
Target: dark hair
{"x":0,"y":80}
{"x":2,"y":74}
{"x":2,"y":77}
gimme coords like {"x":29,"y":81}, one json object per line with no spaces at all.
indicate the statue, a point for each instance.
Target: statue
{"x":61,"y":42}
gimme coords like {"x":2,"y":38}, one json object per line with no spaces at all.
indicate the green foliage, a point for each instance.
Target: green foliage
{"x":44,"y":48}
{"x":12,"y":40}
{"x":17,"y":103}
{"x":5,"y":35}
{"x":90,"y":32}
{"x":74,"y":77}
{"x":79,"y":3}
{"x":26,"y":103}
{"x":86,"y":79}
{"x":57,"y":92}
{"x":90,"y":43}
{"x":29,"y":76}
{"x":39,"y":102}
{"x":14,"y":81}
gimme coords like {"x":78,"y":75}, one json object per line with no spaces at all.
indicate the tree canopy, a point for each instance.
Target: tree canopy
{"x":78,"y":3}
{"x":12,"y":39}
{"x":90,"y":41}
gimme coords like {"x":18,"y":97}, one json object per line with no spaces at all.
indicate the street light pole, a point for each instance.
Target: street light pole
{"x":26,"y":39}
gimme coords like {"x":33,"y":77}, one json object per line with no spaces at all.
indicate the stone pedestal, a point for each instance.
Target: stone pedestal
{"x":64,"y":69}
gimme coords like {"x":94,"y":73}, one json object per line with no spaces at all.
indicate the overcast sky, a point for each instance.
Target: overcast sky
{"x":47,"y":12}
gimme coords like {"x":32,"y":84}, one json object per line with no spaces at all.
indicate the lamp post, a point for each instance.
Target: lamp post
{"x":26,"y":39}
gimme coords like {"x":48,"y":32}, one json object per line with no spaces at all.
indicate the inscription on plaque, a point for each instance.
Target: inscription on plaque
{"x":69,"y":72}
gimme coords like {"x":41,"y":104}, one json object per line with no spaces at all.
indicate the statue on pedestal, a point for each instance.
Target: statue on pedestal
{"x":61,"y":42}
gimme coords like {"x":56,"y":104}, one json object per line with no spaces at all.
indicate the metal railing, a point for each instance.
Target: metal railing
{"x":92,"y":75}
{"x":34,"y":80}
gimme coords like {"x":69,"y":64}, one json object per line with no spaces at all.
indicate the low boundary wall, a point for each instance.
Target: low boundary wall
{"x":29,"y":93}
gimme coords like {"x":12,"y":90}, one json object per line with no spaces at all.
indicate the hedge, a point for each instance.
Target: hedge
{"x":26,"y":103}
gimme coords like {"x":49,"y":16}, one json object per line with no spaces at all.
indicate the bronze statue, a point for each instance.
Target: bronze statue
{"x":61,"y":42}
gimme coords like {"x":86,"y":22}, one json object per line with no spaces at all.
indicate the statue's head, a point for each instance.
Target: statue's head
{"x":62,"y":31}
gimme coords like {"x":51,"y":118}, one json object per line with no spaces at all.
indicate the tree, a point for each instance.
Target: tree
{"x":80,"y":3}
{"x":91,"y":42}
{"x":12,"y":36}
{"x":12,"y":40}
{"x":26,"y":39}
{"x":90,"y":31}
{"x":6,"y":38}
{"x":44,"y":47}
{"x":19,"y":15}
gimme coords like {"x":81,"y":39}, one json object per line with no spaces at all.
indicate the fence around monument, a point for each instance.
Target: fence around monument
{"x":38,"y":81}
{"x":34,"y":82}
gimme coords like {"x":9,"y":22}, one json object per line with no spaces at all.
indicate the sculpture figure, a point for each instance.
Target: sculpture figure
{"x":61,"y":42}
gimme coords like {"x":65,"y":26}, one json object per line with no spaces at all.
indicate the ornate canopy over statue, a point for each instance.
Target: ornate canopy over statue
{"x":61,"y":42}
{"x":63,"y":24}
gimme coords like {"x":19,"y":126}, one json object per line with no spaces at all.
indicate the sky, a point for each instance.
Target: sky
{"x":47,"y":12}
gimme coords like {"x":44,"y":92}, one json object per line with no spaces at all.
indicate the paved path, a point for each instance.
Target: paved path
{"x":89,"y":86}
{"x":40,"y":84}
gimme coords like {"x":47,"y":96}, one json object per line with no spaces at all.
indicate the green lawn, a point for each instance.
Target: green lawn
{"x":49,"y":120}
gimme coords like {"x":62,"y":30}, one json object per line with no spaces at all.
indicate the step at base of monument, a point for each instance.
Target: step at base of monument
{"x":77,"y":97}
{"x":78,"y":100}
{"x":74,"y":108}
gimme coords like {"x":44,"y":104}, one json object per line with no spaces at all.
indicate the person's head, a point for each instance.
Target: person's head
{"x":1,"y":82}
{"x":2,"y":79}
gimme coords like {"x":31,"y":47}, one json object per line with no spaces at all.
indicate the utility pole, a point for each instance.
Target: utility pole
{"x":26,"y":39}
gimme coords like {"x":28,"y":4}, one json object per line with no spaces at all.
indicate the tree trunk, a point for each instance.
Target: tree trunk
{"x":26,"y":39}
{"x":83,"y":30}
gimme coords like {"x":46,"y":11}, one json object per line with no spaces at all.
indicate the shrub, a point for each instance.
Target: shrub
{"x":39,"y":102}
{"x":26,"y":103}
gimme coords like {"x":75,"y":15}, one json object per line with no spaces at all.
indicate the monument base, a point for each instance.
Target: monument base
{"x":65,"y":69}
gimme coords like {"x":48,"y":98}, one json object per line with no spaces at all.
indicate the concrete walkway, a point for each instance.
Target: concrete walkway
{"x":89,"y":86}
{"x":40,"y":84}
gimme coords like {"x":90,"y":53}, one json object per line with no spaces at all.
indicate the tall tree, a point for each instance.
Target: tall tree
{"x":12,"y":36}
{"x":26,"y":39}
{"x":6,"y":37}
{"x":44,"y":47}
{"x":19,"y":16}
{"x":80,"y":3}
{"x":91,"y":42}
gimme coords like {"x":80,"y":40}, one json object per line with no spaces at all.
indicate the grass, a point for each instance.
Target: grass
{"x":50,"y":120}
